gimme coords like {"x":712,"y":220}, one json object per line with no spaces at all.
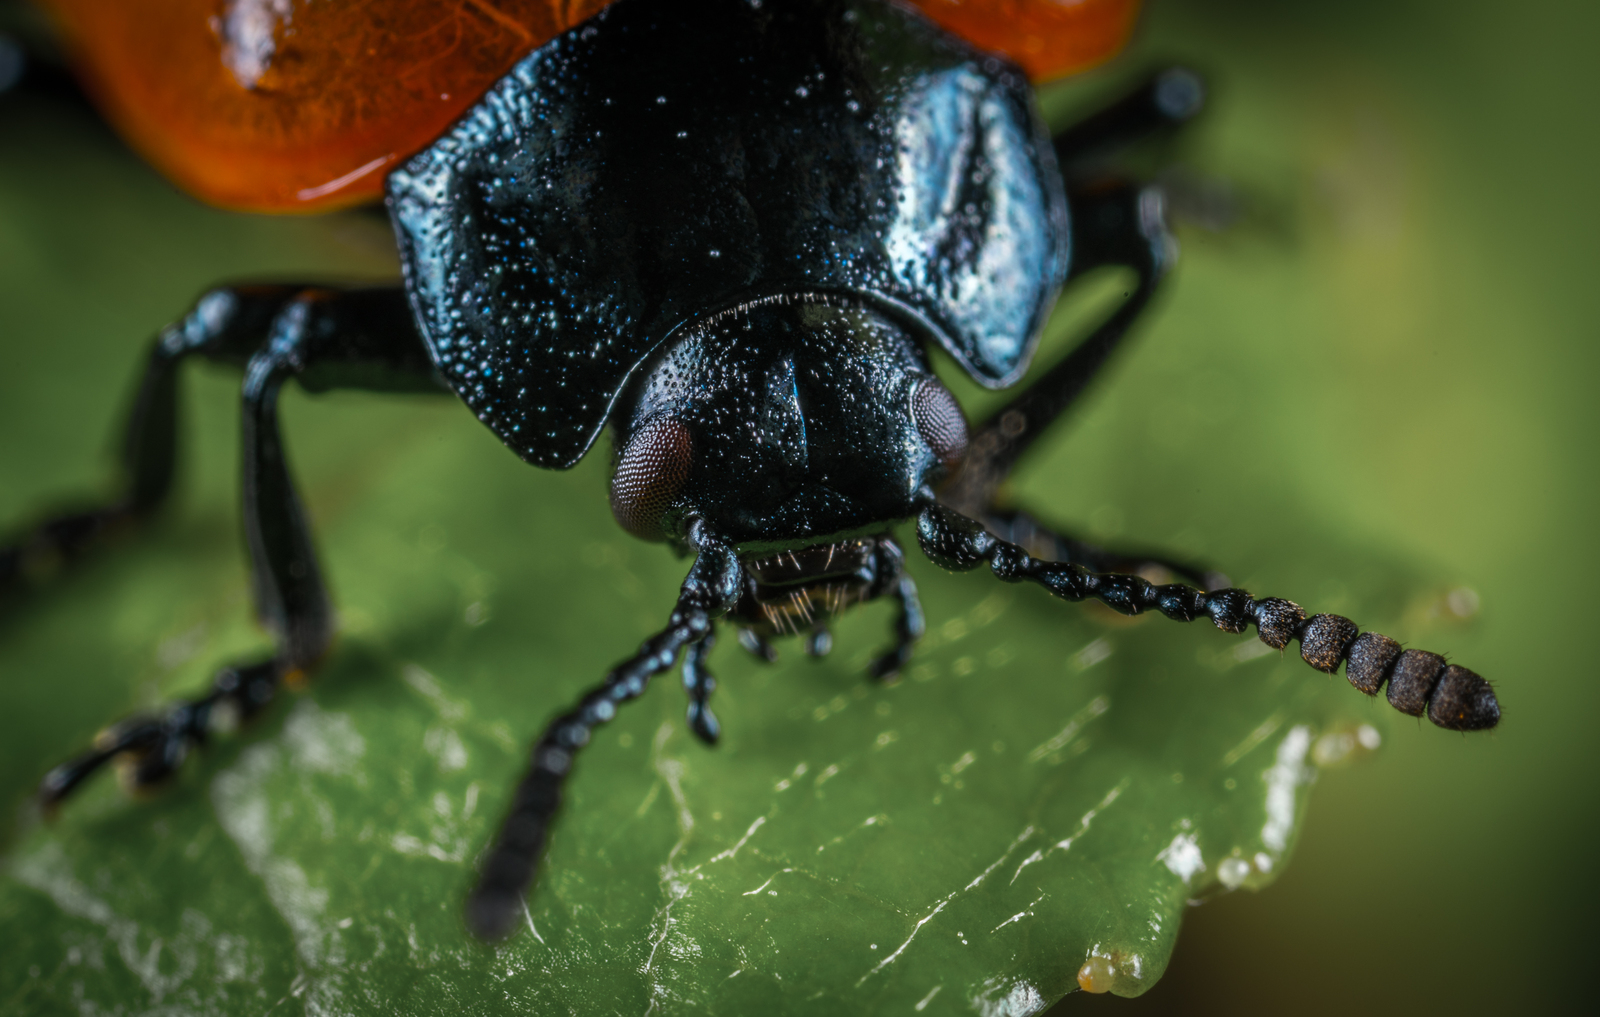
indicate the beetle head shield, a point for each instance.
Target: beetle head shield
{"x":808,"y":415}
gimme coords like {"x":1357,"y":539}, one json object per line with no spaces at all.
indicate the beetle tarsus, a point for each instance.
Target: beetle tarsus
{"x":818,"y":642}
{"x":155,"y":747}
{"x":756,"y":646}
{"x":1453,"y":697}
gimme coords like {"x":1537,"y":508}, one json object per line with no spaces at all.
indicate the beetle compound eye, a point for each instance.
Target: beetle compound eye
{"x":650,"y":473}
{"x":940,"y":422}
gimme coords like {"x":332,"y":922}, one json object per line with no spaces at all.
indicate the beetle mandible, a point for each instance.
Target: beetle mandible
{"x":731,"y":231}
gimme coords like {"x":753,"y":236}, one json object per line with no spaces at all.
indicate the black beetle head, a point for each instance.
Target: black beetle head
{"x":783,"y":421}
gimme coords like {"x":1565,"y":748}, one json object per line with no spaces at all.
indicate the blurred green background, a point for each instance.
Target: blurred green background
{"x":1380,"y":343}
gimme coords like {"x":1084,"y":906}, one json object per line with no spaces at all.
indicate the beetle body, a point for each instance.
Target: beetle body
{"x":733,"y":231}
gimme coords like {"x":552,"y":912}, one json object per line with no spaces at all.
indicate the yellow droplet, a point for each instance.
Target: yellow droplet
{"x":1096,"y":975}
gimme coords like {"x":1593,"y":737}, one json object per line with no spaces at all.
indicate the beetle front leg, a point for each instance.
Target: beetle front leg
{"x":909,"y":625}
{"x":367,"y":338}
{"x":1119,"y":223}
{"x":157,"y":746}
{"x":909,"y":621}
{"x":711,"y":588}
{"x":291,"y":602}
{"x":1115,"y":221}
{"x":1452,"y":696}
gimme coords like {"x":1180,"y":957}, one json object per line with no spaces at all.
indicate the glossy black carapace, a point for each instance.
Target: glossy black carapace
{"x":731,"y":232}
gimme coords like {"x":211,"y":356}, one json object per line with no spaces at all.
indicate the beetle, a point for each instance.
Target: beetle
{"x":730,"y":231}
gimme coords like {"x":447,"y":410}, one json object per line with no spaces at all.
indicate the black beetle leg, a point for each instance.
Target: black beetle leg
{"x":291,"y":599}
{"x":1118,"y":223}
{"x":157,"y":745}
{"x":146,"y":461}
{"x":754,"y":644}
{"x":712,"y":586}
{"x":326,"y":338}
{"x":699,"y":684}
{"x":1114,"y":222}
{"x":909,"y":621}
{"x":227,"y":325}
{"x":1162,"y":102}
{"x":909,"y":625}
{"x":1452,"y":696}
{"x":819,"y":641}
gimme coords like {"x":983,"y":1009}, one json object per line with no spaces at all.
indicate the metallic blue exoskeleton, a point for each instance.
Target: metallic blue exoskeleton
{"x":731,"y":230}
{"x":617,"y":187}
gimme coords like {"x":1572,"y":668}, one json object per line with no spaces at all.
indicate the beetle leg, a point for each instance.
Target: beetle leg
{"x":1114,"y":222}
{"x":1164,"y":101}
{"x":754,"y":644}
{"x":1119,"y":223}
{"x":711,"y":588}
{"x":818,"y":642}
{"x":325,"y":339}
{"x":1452,"y":696}
{"x":699,"y":684}
{"x":909,"y":625}
{"x":227,"y":325}
{"x":156,"y":746}
{"x":909,"y":621}
{"x":358,"y":338}
{"x":146,"y":460}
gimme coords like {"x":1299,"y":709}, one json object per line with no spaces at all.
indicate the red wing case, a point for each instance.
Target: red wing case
{"x":294,"y":105}
{"x":301,"y":106}
{"x":1047,"y":38}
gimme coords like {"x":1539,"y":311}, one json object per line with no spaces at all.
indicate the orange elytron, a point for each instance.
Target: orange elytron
{"x":300,"y":106}
{"x":1047,"y":38}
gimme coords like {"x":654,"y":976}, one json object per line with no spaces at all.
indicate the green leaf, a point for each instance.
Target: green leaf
{"x":1032,"y":806}
{"x":1047,"y":787}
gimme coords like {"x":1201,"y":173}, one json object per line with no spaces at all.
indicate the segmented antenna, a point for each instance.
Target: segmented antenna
{"x":1452,"y":696}
{"x":711,"y":587}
